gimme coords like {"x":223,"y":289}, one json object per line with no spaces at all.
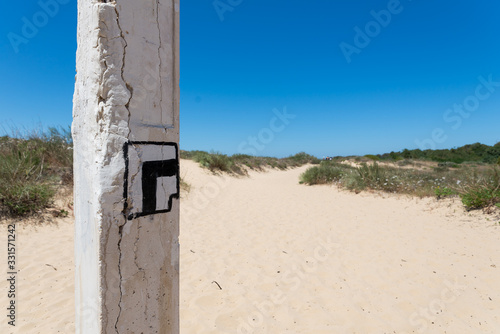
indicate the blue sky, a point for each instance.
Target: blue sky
{"x":352,"y":79}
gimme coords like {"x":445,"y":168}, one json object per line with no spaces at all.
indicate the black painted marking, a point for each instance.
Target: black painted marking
{"x":125,"y":183}
{"x":151,"y":171}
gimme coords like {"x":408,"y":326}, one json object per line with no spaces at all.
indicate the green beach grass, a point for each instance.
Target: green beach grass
{"x":32,"y":166}
{"x":238,"y":163}
{"x":478,"y":187}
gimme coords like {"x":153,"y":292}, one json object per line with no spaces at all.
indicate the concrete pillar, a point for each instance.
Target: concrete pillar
{"x":126,"y":130}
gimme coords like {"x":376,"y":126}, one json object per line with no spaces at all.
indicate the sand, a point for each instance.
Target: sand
{"x":264,"y":254}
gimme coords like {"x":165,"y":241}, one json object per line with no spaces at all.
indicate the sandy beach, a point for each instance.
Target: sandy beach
{"x":264,"y":254}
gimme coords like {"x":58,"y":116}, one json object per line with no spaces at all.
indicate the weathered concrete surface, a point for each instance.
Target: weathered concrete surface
{"x":126,"y":90}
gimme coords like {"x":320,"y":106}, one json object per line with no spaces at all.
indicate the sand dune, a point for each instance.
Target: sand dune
{"x":265,"y":254}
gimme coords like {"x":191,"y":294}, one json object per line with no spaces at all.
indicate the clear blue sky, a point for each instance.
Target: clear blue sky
{"x":241,"y":61}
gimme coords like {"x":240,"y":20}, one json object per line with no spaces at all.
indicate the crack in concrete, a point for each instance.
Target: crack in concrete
{"x":160,"y":66}
{"x":120,"y":231}
{"x":135,"y":248}
{"x":127,"y":105}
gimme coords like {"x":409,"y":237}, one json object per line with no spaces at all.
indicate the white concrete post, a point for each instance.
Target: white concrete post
{"x":126,"y":131}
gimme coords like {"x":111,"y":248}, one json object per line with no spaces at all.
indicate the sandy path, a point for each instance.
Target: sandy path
{"x":296,"y":259}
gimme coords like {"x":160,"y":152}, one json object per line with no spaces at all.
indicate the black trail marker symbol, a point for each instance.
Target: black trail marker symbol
{"x":158,"y":185}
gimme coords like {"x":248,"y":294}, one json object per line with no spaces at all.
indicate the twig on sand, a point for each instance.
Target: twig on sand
{"x":217,"y":284}
{"x":49,"y":265}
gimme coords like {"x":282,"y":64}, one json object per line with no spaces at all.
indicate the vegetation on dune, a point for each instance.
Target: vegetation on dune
{"x":325,"y":172}
{"x":477,"y":152}
{"x":484,"y":192}
{"x":237,"y":163}
{"x":477,"y":188}
{"x":185,"y":187}
{"x":216,"y":162}
{"x":30,"y":168}
{"x":372,"y":157}
{"x":33,"y":165}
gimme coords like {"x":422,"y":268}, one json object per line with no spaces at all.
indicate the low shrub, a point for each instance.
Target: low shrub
{"x":301,"y":159}
{"x":322,"y":174}
{"x":480,"y":198}
{"x":482,"y":191}
{"x":372,"y":157}
{"x":30,"y":197}
{"x":442,"y":192}
{"x":30,"y":167}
